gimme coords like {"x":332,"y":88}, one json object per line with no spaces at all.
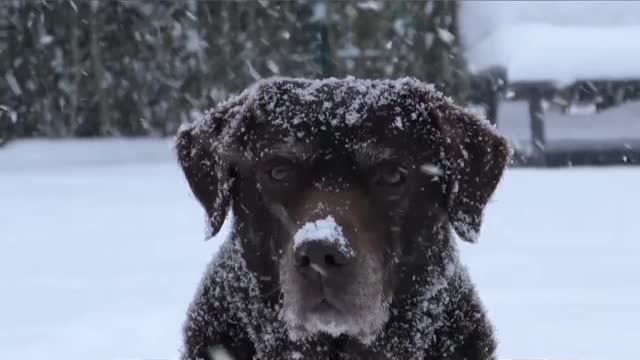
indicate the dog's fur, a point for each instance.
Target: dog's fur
{"x":396,"y":166}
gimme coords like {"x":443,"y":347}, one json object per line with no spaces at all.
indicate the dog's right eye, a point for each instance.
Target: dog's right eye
{"x":390,"y":175}
{"x":280,"y":172}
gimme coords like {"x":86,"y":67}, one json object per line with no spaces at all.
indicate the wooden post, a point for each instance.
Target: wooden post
{"x":493,"y":103}
{"x":536,"y":117}
{"x":102,"y":125}
{"x":324,"y":30}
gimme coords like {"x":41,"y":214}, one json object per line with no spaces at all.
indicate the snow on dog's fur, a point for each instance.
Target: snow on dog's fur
{"x":344,"y":193}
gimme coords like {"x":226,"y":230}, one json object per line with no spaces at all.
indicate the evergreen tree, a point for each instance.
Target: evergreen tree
{"x":119,"y":67}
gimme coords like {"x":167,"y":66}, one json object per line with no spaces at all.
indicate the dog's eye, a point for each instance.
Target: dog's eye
{"x":391,"y":175}
{"x":280,"y":172}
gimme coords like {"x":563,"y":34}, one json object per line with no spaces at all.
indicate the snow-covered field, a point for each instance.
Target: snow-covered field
{"x":101,"y":250}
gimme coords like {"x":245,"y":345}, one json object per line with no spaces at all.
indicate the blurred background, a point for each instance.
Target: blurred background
{"x":561,"y":79}
{"x":99,"y":235}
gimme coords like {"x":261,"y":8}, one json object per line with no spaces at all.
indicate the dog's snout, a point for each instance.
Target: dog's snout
{"x":320,"y":256}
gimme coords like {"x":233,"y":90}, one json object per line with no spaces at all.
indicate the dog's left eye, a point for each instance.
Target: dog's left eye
{"x":280,"y":172}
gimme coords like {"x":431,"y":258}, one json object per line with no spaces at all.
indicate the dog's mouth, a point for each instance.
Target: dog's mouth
{"x":339,"y":298}
{"x":324,"y":310}
{"x":322,"y":317}
{"x":326,"y":316}
{"x":324,"y":307}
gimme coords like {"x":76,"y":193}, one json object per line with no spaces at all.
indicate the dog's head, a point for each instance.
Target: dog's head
{"x":342,"y":190}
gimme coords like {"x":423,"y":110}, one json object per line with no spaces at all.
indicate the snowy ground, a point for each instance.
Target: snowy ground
{"x":102,"y":249}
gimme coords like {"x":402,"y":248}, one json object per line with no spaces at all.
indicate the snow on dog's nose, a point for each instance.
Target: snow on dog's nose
{"x":322,"y":247}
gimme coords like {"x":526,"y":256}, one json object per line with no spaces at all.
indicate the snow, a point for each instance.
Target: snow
{"x":370,"y":5}
{"x":350,"y":101}
{"x":431,"y":169}
{"x":102,"y":252}
{"x":556,"y":40}
{"x":557,"y":263}
{"x":478,"y":18}
{"x":445,"y":35}
{"x":563,"y":54}
{"x":220,"y":354}
{"x":13,"y":83}
{"x":326,"y":230}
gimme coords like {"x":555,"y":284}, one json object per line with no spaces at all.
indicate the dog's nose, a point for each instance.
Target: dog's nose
{"x":320,"y":256}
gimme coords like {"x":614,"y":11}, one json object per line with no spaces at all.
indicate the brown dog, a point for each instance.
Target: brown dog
{"x":344,"y":194}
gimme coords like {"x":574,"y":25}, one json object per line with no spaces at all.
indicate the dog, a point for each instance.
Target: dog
{"x":344,"y":197}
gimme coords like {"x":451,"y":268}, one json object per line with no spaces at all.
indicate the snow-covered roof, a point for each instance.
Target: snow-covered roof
{"x":553,"y":40}
{"x":543,"y":52}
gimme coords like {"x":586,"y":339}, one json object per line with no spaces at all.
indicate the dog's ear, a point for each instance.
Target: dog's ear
{"x":207,"y":175}
{"x":474,"y":157}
